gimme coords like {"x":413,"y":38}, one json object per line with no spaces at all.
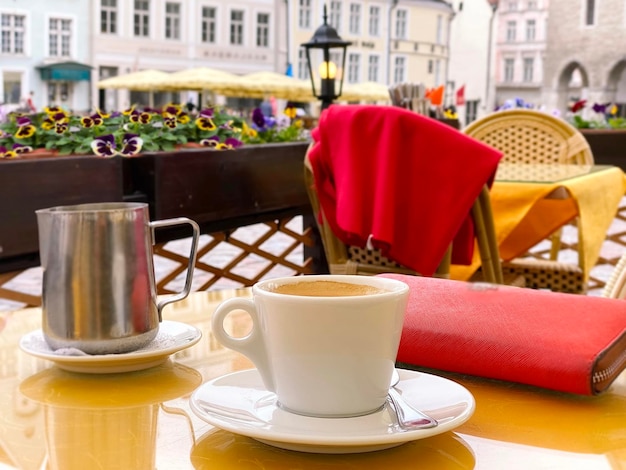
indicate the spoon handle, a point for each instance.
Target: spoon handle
{"x":408,"y":417}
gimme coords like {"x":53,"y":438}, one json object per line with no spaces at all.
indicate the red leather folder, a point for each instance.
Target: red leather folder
{"x":566,"y":342}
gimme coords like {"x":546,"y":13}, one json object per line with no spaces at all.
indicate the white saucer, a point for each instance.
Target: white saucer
{"x":239,"y":403}
{"x":172,"y":337}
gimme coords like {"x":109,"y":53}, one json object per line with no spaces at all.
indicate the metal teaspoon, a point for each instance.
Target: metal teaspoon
{"x":409,"y":418}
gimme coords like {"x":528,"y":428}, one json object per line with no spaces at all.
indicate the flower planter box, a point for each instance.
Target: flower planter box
{"x":31,"y":184}
{"x":215,"y":187}
{"x":608,"y":146}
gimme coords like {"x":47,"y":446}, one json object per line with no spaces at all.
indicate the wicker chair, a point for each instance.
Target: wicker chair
{"x":528,"y":136}
{"x":344,"y":259}
{"x":615,"y":287}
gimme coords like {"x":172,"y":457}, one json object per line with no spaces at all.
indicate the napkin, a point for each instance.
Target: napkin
{"x":566,"y":342}
{"x":402,"y":180}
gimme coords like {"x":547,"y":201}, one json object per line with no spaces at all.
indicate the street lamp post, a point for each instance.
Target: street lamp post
{"x":321,"y":49}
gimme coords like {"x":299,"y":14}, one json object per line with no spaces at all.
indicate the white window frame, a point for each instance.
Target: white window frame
{"x":13,"y":32}
{"x":263,"y":30}
{"x":374,"y":21}
{"x":172,"y":21}
{"x":373,"y":68}
{"x":334,"y":16}
{"x":236,"y":27}
{"x":399,"y":69}
{"x":511,"y":31}
{"x":209,"y":24}
{"x":142,"y":14}
{"x":355,"y":18}
{"x":303,"y":65}
{"x":531,"y":30}
{"x":528,"y":69}
{"x":400,"y":25}
{"x":109,"y":15}
{"x":508,"y":72}
{"x":304,"y":14}
{"x":71,"y":42}
{"x":354,"y":67}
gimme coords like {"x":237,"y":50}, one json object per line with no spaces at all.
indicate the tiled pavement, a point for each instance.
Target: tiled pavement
{"x":30,"y":281}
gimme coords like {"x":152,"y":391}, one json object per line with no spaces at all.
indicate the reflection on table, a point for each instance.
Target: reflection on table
{"x":50,"y":418}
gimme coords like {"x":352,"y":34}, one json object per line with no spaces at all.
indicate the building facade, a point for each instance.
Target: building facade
{"x":521,"y":43}
{"x":45,"y":49}
{"x":585,"y":55}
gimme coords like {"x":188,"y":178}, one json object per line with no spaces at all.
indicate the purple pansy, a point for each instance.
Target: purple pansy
{"x":104,"y":146}
{"x":131,"y":145}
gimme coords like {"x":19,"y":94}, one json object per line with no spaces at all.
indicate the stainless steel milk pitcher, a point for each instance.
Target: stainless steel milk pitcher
{"x":99,"y":291}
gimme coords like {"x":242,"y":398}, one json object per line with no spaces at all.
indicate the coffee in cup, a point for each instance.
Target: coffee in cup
{"x":325,"y":345}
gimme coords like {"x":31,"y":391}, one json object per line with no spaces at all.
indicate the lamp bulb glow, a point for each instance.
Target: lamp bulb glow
{"x":328,"y":70}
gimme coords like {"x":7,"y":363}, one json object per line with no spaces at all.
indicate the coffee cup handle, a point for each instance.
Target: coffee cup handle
{"x":251,"y":345}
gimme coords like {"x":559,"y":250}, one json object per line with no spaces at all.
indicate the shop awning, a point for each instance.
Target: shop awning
{"x":65,"y":71}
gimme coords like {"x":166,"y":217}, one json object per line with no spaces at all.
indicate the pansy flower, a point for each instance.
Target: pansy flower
{"x":104,"y":146}
{"x":131,"y":145}
{"x":578,"y":106}
{"x":183,"y":117}
{"x":170,"y":121}
{"x":102,"y":114}
{"x":232,"y":143}
{"x":20,"y":149}
{"x":171,"y":108}
{"x":134,"y":116}
{"x":60,"y":117}
{"x":205,"y":124}
{"x":87,"y":122}
{"x":60,"y":127}
{"x":97,"y":119}
{"x":248,"y":131}
{"x":129,"y":111}
{"x":258,"y":118}
{"x":5,"y":153}
{"x":212,"y":142}
{"x":290,"y":112}
{"x":50,"y":110}
{"x":600,"y":108}
{"x":207,"y":112}
{"x":47,"y":124}
{"x":23,"y":121}
{"x":24,"y":132}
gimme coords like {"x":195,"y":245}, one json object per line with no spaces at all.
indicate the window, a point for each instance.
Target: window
{"x":208,"y":24}
{"x":303,"y":65}
{"x":374,"y":23}
{"x":108,"y":16}
{"x":511,"y":26}
{"x":141,"y":18}
{"x":373,"y":65}
{"x":354,"y":68}
{"x":512,"y":5}
{"x":471,"y":111}
{"x":529,"y":65}
{"x":399,"y":69}
{"x":236,"y":27}
{"x":355,"y":18}
{"x":401,"y":24}
{"x":532,"y":4}
{"x":335,"y":15}
{"x":437,"y":72}
{"x":172,"y":20}
{"x":530,"y":30}
{"x":430,"y":66}
{"x":60,"y":37}
{"x":13,"y":33}
{"x":439,"y":37}
{"x":262,"y":29}
{"x":508,"y":69}
{"x":304,"y":14}
{"x":590,"y":12}
{"x":12,"y":82}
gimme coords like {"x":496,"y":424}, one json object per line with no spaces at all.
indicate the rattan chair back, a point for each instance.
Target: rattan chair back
{"x":529,"y":136}
{"x":615,"y":288}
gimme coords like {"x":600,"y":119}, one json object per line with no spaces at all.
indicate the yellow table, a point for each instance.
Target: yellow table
{"x":54,"y":419}
{"x":530,"y":201}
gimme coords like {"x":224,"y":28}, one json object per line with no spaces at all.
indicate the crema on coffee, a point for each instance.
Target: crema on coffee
{"x":326,"y":289}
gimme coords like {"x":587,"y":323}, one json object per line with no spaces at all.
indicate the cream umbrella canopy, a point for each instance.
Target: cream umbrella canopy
{"x":144,"y":80}
{"x":199,"y":79}
{"x":264,"y":84}
{"x":366,"y":91}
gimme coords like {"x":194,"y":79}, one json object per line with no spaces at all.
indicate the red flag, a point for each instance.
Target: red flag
{"x":460,"y":96}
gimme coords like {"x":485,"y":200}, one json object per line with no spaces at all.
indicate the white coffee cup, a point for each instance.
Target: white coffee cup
{"x":327,"y":356}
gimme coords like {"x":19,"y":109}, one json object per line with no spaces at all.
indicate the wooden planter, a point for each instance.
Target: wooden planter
{"x":31,"y":184}
{"x":215,"y":187}
{"x":608,"y":146}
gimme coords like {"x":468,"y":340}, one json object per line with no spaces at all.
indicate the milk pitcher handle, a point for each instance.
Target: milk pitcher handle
{"x":192,"y":257}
